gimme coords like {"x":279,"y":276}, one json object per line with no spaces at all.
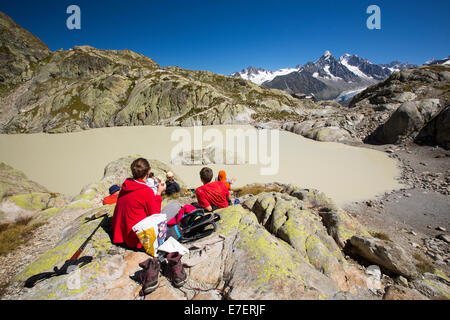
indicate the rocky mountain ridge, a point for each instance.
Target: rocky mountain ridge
{"x":19,"y":50}
{"x":84,"y":87}
{"x":326,"y":78}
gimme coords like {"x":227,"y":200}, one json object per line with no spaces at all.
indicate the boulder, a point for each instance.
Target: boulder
{"x":403,"y":97}
{"x":433,"y":286}
{"x":329,"y":134}
{"x":386,"y":254}
{"x":437,"y":131}
{"x":208,"y":155}
{"x":261,"y":266}
{"x":407,"y":120}
{"x":374,"y":281}
{"x":396,"y":292}
{"x":13,"y":181}
{"x":319,"y":130}
{"x":340,"y":225}
{"x":300,"y":225}
{"x":21,"y":197}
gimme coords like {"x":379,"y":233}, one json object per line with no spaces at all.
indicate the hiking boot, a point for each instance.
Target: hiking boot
{"x":150,"y":275}
{"x":177,"y":273}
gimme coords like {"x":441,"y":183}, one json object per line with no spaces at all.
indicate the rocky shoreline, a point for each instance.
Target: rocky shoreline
{"x":330,"y":248}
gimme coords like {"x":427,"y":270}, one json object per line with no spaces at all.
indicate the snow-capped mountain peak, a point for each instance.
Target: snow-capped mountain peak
{"x":326,"y":78}
{"x":327,"y":54}
{"x":259,"y":76}
{"x":433,"y":61}
{"x":360,"y":67}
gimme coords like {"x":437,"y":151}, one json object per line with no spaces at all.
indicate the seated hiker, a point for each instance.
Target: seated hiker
{"x":171,"y":185}
{"x":152,"y":182}
{"x":113,"y":193}
{"x":212,"y":195}
{"x":223,"y":177}
{"x":136,"y":201}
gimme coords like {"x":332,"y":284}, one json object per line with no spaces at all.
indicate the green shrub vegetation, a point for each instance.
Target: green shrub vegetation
{"x":254,"y":189}
{"x":422,"y":264}
{"x":13,"y":235}
{"x":380,"y":235}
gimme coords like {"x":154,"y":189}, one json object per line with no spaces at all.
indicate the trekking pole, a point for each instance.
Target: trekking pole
{"x":66,"y":267}
{"x":80,"y":250}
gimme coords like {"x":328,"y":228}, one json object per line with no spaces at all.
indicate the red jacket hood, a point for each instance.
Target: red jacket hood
{"x":131,"y":185}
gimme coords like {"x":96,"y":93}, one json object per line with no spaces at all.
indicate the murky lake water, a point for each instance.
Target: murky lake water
{"x":67,"y":162}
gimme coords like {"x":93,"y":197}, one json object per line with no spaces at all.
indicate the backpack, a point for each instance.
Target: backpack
{"x":193,"y":226}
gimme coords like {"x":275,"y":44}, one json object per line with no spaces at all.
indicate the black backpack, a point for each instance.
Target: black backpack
{"x":193,"y":226}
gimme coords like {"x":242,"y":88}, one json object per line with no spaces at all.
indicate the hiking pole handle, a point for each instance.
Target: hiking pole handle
{"x":31,"y":282}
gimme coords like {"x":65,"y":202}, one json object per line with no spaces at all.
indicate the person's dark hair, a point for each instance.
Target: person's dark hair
{"x":206,"y":174}
{"x":151,"y":175}
{"x":139,"y":168}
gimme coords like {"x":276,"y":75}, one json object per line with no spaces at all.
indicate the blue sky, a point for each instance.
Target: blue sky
{"x":227,"y":36}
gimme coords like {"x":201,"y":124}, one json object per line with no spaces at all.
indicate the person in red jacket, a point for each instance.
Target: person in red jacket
{"x":212,"y":195}
{"x":113,"y":194}
{"x":135,"y":202}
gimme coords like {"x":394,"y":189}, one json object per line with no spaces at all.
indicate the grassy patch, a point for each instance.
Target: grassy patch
{"x":407,"y":87}
{"x":74,"y":110}
{"x":5,"y":89}
{"x":3,"y":286}
{"x":33,"y":112}
{"x":444,"y":87}
{"x":183,"y":193}
{"x":423,"y":265}
{"x":254,"y":189}
{"x":13,"y":235}
{"x":438,"y":68}
{"x":35,"y":65}
{"x":380,"y":235}
{"x":127,"y":94}
{"x":276,"y":115}
{"x":192,"y":112}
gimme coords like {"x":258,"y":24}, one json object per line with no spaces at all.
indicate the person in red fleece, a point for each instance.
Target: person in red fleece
{"x":212,"y":195}
{"x":113,"y":194}
{"x":135,"y":202}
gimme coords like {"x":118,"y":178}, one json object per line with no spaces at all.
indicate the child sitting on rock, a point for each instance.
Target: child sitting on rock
{"x":212,"y":195}
{"x":152,"y":182}
{"x":113,"y":194}
{"x":223,"y":177}
{"x":172,"y":186}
